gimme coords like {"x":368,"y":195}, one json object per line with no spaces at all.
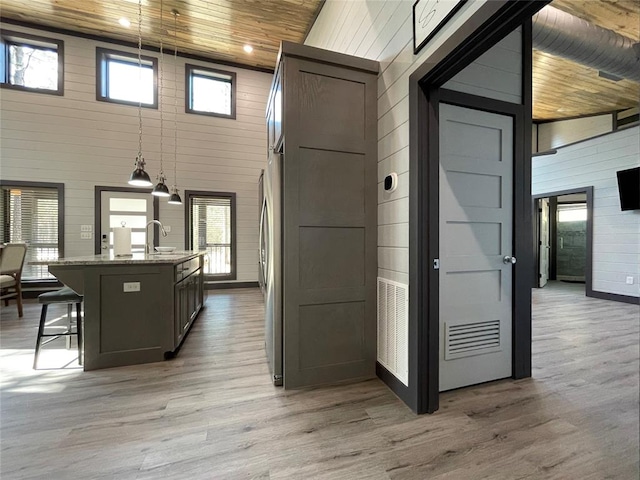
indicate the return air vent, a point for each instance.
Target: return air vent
{"x":393,"y":328}
{"x":467,"y":339}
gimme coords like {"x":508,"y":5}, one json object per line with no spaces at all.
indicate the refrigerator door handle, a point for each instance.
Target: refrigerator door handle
{"x":261,"y":241}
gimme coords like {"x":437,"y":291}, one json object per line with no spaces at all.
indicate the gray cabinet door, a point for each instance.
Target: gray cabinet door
{"x":329,"y":231}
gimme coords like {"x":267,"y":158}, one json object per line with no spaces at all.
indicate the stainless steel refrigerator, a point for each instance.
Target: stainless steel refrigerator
{"x":270,"y":264}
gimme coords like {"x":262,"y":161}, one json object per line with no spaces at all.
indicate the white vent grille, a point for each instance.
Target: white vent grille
{"x":464,"y":340}
{"x":393,"y":328}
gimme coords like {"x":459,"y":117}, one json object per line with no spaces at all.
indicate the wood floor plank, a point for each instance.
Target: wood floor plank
{"x":213,"y":413}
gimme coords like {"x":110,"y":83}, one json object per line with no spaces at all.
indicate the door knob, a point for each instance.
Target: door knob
{"x":507,"y":259}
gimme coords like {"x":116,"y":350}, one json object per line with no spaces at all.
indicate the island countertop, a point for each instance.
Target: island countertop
{"x":172,"y":258}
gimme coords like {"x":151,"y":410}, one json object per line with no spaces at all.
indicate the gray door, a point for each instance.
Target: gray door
{"x":135,"y":209}
{"x":544,"y":242}
{"x":476,"y":232}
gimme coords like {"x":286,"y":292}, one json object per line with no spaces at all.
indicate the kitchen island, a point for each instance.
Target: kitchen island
{"x":137,"y":309}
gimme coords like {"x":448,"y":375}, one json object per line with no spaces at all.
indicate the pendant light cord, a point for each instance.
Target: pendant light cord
{"x":139,"y":79}
{"x":161,"y":95}
{"x":175,"y":98}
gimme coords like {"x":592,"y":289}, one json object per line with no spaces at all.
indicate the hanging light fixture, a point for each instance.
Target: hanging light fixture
{"x":175,"y":197}
{"x":139,"y":177}
{"x":161,"y":190}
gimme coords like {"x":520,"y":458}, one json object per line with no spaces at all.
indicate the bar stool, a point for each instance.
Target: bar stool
{"x":64,"y":295}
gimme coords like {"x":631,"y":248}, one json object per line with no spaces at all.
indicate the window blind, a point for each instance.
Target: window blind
{"x":30,"y":215}
{"x":211,"y":231}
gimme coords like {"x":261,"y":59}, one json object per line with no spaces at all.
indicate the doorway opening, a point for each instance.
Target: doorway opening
{"x":123,"y":206}
{"x":563,"y":237}
{"x":425,"y":245}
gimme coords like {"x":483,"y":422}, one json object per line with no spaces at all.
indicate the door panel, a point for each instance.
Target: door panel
{"x":476,"y":233}
{"x":329,"y":234}
{"x":133,"y":208}
{"x":544,"y":244}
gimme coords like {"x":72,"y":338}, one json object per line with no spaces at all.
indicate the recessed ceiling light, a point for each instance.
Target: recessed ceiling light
{"x":124,"y":22}
{"x":248,"y":48}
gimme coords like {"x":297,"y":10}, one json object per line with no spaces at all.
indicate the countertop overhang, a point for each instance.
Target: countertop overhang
{"x":172,"y":258}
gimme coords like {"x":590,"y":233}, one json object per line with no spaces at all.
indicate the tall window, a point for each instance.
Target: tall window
{"x":31,"y":63}
{"x":31,"y":214}
{"x":120,"y":79}
{"x":210,"y":92}
{"x":211,"y":227}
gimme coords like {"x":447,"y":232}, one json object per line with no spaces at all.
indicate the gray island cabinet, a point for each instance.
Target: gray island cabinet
{"x":136,"y":309}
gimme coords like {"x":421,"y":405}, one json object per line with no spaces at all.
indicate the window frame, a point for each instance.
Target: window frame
{"x":8,"y":38}
{"x":189,"y":194}
{"x":61,"y":209}
{"x":102,"y":85}
{"x":189,"y":70}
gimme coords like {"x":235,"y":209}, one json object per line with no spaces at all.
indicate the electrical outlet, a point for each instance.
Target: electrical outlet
{"x":86,"y":228}
{"x":131,"y":287}
{"x":86,"y":235}
{"x":629,"y":280}
{"x":167,"y":228}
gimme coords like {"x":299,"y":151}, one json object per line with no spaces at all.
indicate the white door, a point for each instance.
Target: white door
{"x":134,"y":209}
{"x":476,"y":232}
{"x":544,"y":242}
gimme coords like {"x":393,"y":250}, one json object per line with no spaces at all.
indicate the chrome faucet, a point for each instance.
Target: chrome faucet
{"x":146,"y":229}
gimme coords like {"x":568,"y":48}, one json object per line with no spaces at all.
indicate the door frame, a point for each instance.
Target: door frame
{"x":553,"y":203}
{"x":537,"y":232}
{"x":98,"y":212}
{"x":493,"y":21}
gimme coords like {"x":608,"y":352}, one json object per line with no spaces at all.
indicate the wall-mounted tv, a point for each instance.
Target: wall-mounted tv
{"x":629,"y":188}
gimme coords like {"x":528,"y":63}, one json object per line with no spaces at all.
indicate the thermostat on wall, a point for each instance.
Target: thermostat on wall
{"x":391,"y":182}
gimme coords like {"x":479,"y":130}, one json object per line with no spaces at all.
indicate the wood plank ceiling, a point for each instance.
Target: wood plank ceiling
{"x":218,"y":29}
{"x":562,"y":88}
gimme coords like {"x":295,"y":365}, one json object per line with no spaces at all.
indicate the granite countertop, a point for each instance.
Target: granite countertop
{"x":137,"y":258}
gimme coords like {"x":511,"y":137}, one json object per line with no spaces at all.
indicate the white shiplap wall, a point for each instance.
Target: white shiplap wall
{"x":497,"y":74}
{"x":563,"y":132}
{"x":616,"y":234}
{"x":382,"y":31}
{"x":81,"y":142}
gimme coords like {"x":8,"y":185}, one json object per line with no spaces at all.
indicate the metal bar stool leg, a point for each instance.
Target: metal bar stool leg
{"x":43,"y":316}
{"x":69,"y":324}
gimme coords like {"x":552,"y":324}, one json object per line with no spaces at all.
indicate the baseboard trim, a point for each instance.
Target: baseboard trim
{"x":397,"y":387}
{"x":615,"y":297}
{"x":223,"y":285}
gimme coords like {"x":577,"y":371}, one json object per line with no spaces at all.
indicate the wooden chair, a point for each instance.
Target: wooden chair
{"x":12,"y":257}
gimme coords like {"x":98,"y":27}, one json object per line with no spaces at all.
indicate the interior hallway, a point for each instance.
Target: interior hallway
{"x":213,"y":413}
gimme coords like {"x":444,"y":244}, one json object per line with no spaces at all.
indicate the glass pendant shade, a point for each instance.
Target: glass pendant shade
{"x":139,"y":177}
{"x":175,"y":198}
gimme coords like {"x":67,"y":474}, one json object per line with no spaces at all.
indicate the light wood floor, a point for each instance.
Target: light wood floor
{"x":212,"y":413}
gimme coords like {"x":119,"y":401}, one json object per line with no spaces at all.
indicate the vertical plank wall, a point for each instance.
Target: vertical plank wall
{"x":81,"y":142}
{"x":383,"y":31}
{"x":616,"y":234}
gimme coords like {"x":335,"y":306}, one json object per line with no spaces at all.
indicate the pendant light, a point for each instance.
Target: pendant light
{"x":161,"y":190}
{"x":139,"y":177}
{"x":175,"y":197}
